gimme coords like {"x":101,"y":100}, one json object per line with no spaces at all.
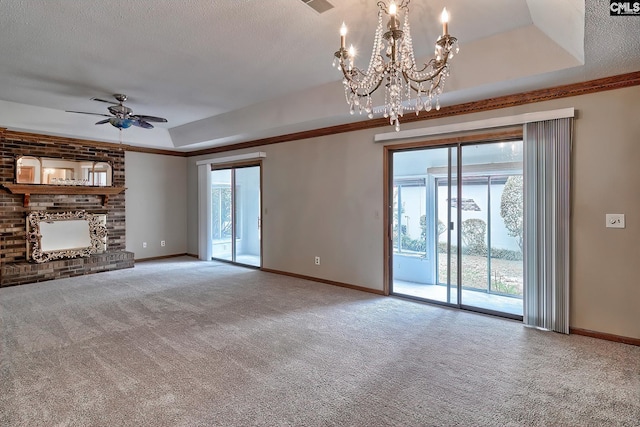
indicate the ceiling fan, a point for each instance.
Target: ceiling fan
{"x":121,"y":116}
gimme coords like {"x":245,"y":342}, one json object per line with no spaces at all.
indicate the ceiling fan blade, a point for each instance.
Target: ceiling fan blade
{"x":104,"y":100}
{"x":149,"y":118}
{"x":121,"y":116}
{"x":142,"y":124}
{"x":93,"y":114}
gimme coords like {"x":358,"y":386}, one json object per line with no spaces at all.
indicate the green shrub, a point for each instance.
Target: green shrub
{"x":497,"y":253}
{"x":512,"y":207}
{"x":474,"y":232}
{"x":413,"y":244}
{"x":507,"y":254}
{"x":505,"y":288}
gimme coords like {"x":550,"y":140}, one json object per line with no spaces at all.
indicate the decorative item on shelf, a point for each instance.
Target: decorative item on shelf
{"x":398,"y":73}
{"x":63,"y":181}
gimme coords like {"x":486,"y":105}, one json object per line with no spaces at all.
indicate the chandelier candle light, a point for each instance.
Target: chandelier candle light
{"x":399,"y":72}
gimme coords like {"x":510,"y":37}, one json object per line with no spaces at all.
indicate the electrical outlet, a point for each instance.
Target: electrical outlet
{"x":317,"y":261}
{"x":163,"y":243}
{"x":144,"y":244}
{"x":615,"y":220}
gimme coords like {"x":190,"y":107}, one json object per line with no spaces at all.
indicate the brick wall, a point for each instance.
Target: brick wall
{"x":13,"y":247}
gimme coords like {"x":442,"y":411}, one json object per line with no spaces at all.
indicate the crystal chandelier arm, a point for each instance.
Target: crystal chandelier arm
{"x":368,"y":93}
{"x":355,"y":86}
{"x":432,"y":76}
{"x":368,"y":83}
{"x":433,"y":69}
{"x":435,"y":82}
{"x":383,"y":6}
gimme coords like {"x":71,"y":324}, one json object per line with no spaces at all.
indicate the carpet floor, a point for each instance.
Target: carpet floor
{"x":181,"y":342}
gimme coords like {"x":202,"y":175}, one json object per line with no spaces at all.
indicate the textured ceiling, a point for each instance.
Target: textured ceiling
{"x":223,"y":71}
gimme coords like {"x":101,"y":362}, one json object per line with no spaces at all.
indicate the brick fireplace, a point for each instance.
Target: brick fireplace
{"x":15,"y":267}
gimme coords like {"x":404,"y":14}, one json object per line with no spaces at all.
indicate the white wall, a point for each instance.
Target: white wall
{"x":323,"y":197}
{"x":156,"y":204}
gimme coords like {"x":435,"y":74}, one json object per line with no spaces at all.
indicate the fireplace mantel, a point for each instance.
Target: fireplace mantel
{"x":28,"y":189}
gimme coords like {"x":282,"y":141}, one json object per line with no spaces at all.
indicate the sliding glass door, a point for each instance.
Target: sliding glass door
{"x":423,"y":266}
{"x":492,"y":226}
{"x":235,"y":211}
{"x":221,"y":209}
{"x":247,"y":216}
{"x":457,"y":226}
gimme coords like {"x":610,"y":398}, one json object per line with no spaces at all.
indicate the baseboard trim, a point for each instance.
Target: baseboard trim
{"x":325,"y":281}
{"x":605,"y":336}
{"x":192,"y":255}
{"x":154,"y":258}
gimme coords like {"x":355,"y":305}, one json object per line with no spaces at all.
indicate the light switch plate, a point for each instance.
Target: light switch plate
{"x":615,"y":220}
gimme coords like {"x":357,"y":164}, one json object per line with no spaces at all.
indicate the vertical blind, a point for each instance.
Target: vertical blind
{"x":547,"y":153}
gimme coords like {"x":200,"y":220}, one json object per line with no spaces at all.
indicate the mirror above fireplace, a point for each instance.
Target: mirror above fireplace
{"x":50,"y":171}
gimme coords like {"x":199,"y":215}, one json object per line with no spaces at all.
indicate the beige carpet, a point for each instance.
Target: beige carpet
{"x":187,"y":343}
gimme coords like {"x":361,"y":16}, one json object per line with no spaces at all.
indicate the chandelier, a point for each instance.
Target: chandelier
{"x":393,"y":65}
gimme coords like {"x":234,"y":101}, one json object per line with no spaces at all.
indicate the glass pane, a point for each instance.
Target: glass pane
{"x":491,"y":226}
{"x":28,"y":170}
{"x":506,"y":235}
{"x":221,"y":226}
{"x":418,"y":249}
{"x":247,"y":213}
{"x":474,"y":214}
{"x":101,"y":175}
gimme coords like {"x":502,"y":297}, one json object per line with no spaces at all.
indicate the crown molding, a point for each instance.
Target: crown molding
{"x":149,"y":150}
{"x":38,"y":137}
{"x":540,"y":95}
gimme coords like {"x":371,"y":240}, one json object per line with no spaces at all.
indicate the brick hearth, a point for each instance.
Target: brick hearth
{"x":14,"y":265}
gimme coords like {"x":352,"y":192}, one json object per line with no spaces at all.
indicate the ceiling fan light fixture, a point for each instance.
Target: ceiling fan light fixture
{"x":121,"y":123}
{"x":121,"y":116}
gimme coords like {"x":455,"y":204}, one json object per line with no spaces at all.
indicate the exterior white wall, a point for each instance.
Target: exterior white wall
{"x":500,"y":238}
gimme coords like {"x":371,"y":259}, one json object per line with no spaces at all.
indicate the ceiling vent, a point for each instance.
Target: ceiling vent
{"x":319,"y":6}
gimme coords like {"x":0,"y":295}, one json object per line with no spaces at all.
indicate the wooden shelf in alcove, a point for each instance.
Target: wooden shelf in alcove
{"x":28,"y":189}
